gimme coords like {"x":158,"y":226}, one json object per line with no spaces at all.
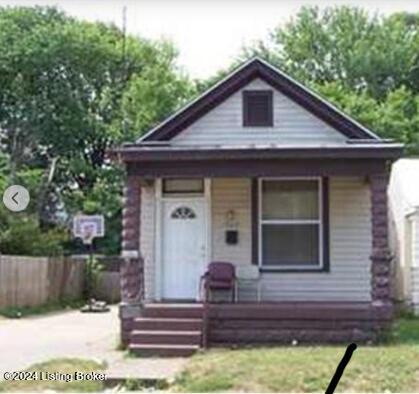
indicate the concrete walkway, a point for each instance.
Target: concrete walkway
{"x":63,"y":334}
{"x":74,"y":334}
{"x":151,"y":369}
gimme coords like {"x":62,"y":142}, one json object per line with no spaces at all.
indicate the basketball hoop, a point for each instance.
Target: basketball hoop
{"x":88,"y":227}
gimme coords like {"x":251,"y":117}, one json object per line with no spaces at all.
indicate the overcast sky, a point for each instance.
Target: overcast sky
{"x":208,"y":33}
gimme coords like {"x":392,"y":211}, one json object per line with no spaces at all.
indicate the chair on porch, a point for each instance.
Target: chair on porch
{"x":219,"y":276}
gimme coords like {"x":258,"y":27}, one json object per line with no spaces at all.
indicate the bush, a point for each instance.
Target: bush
{"x":23,"y":236}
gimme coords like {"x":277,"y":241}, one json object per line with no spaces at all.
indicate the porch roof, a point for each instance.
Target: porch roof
{"x":150,"y":161}
{"x":166,"y":152}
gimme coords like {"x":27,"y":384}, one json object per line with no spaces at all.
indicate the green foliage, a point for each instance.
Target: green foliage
{"x":21,"y":235}
{"x":367,"y":65}
{"x":348,"y":45}
{"x":70,"y":90}
{"x":396,"y":116}
{"x":160,"y":92}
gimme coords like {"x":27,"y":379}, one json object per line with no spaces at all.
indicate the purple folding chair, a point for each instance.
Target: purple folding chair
{"x":219,"y":276}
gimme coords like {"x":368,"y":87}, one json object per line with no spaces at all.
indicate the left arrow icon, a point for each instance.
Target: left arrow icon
{"x":16,"y":198}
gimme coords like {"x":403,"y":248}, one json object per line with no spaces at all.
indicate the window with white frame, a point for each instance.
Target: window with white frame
{"x":290,"y":223}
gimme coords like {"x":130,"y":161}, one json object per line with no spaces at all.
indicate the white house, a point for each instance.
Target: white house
{"x":262,"y":174}
{"x":404,"y":214}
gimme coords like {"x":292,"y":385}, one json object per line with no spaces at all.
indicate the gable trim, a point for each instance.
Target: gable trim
{"x":257,"y":68}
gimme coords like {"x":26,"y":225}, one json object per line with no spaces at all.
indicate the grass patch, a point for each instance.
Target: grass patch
{"x":17,"y":312}
{"x":65,"y":366}
{"x":393,"y":367}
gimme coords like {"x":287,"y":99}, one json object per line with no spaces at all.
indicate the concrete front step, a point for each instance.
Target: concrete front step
{"x":182,"y":311}
{"x":166,"y":337}
{"x":164,"y":350}
{"x":161,"y":324}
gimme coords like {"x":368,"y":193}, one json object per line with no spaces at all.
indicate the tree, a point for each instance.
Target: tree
{"x":63,"y":103}
{"x":367,"y":65}
{"x":394,"y":117}
{"x":346,"y":44}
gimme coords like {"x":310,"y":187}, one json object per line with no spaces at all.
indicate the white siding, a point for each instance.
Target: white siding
{"x":415,"y":262}
{"x":292,"y":125}
{"x":399,"y":237}
{"x":350,"y":245}
{"x":404,"y":239}
{"x":231,"y":194}
{"x":147,"y":239}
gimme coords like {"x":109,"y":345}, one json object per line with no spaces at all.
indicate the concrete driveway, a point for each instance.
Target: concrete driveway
{"x":64,"y":334}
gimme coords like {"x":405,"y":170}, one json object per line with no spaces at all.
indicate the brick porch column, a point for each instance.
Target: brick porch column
{"x":131,"y":270}
{"x":381,"y":256}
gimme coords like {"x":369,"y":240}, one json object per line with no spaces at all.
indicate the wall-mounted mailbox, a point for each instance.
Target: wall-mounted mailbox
{"x":232,"y":237}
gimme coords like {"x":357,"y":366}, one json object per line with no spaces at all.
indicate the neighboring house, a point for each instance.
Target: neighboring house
{"x":404,"y":213}
{"x":261,"y":172}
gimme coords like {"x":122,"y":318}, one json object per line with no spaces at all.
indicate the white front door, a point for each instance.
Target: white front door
{"x":183,"y":247}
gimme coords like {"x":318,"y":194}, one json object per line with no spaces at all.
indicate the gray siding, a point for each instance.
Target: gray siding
{"x":292,"y":125}
{"x":350,"y":245}
{"x":231,"y":194}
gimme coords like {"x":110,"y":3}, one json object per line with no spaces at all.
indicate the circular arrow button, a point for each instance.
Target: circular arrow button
{"x":16,"y":198}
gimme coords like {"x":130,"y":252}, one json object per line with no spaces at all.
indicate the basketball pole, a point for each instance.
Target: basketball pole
{"x":90,"y":285}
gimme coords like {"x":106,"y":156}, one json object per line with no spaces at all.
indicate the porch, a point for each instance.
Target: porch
{"x":320,"y":252}
{"x":172,"y":329}
{"x":339,"y":292}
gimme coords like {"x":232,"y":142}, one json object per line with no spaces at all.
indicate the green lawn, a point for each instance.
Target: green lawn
{"x":63,"y":366}
{"x":393,"y":367}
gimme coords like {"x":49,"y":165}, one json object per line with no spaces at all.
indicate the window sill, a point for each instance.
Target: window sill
{"x":249,"y":126}
{"x":294,"y":270}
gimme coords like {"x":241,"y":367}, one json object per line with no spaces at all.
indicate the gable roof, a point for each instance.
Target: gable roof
{"x":258,"y":68}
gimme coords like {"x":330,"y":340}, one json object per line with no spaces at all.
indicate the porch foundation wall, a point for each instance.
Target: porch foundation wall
{"x":132,"y":263}
{"x":283,"y":325}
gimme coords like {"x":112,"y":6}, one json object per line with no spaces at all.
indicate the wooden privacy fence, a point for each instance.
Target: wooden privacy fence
{"x":32,"y":281}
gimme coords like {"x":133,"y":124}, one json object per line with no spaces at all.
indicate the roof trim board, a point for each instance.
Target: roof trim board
{"x":141,"y":153}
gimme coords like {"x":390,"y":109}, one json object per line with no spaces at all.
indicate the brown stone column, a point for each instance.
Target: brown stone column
{"x":131,"y":270}
{"x":381,"y":256}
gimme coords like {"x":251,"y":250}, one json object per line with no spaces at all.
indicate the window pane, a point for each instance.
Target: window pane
{"x":183,"y":186}
{"x":290,"y":244}
{"x":287,"y":200}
